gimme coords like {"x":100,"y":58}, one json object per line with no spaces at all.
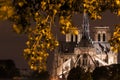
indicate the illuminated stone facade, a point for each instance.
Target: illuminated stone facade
{"x":88,"y":49}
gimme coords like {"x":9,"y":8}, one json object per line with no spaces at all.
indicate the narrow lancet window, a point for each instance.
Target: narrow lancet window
{"x":99,"y":37}
{"x":104,"y":37}
{"x":76,"y":38}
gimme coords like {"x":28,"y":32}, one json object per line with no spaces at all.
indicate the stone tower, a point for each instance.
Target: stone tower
{"x":101,"y":34}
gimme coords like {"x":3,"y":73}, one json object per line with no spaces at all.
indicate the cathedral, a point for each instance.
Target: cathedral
{"x":88,"y":49}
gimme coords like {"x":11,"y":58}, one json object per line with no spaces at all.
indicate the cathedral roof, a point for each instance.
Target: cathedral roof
{"x":85,"y":41}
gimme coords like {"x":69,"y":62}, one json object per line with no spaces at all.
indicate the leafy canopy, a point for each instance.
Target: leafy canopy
{"x":22,"y":13}
{"x":115,"y":40}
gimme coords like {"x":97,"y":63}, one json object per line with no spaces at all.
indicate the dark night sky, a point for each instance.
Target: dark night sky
{"x":12,"y":44}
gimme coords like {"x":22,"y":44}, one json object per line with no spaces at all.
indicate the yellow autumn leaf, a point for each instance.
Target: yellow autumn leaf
{"x":4,"y":8}
{"x":47,"y":54}
{"x":39,"y":58}
{"x":43,"y":31}
{"x":99,"y":17}
{"x":33,"y":58}
{"x":116,"y":50}
{"x":36,"y":38}
{"x":10,"y":12}
{"x":112,"y":48}
{"x":36,"y":14}
{"x":27,"y":50}
{"x":115,"y":33}
{"x":118,"y":12}
{"x":59,"y":5}
{"x":63,"y":32}
{"x":32,"y":67}
{"x":42,"y":45}
{"x":20,"y":4}
{"x":68,"y":23}
{"x":61,"y":20}
{"x":28,"y":42}
{"x":118,"y":2}
{"x":43,"y":3}
{"x":54,"y":11}
{"x":33,"y":52}
{"x":119,"y":38}
{"x":48,"y":45}
{"x":16,"y":28}
{"x":50,"y":6}
{"x":75,"y":32}
{"x":41,"y":53}
{"x":56,"y":43}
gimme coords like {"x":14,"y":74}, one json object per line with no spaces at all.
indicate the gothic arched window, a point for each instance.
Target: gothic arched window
{"x":99,"y":37}
{"x":76,"y":38}
{"x":104,"y":37}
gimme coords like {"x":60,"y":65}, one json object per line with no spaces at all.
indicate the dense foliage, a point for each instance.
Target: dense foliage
{"x":111,"y":72}
{"x":78,"y":73}
{"x":115,"y":40}
{"x":23,"y":13}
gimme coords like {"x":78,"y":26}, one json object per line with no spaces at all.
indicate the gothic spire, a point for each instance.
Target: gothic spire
{"x":85,"y":40}
{"x":85,"y":24}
